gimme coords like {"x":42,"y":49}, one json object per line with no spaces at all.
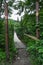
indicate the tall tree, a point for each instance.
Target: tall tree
{"x":31,"y":7}
{"x":10,"y":3}
{"x":6,"y":28}
{"x":37,"y":19}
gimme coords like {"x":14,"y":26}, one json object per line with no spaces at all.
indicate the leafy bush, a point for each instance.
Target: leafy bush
{"x":12,"y":48}
{"x":35,"y":48}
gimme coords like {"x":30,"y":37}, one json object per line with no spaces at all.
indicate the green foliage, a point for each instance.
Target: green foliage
{"x":28,"y":26}
{"x":12,"y":48}
{"x":16,"y":25}
{"x":35,"y":48}
{"x":36,"y":52}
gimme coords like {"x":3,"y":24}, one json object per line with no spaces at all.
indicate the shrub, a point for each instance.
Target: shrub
{"x":12,"y":48}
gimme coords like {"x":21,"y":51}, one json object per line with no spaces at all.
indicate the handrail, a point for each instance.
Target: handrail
{"x":32,"y":37}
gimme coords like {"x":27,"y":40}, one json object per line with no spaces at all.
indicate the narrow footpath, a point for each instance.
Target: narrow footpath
{"x":23,"y":57}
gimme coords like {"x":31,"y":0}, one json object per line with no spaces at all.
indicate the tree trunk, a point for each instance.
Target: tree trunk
{"x":6,"y":28}
{"x":37,"y":19}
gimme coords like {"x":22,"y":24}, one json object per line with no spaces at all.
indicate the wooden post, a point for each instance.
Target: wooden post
{"x":37,"y":19}
{"x":6,"y":28}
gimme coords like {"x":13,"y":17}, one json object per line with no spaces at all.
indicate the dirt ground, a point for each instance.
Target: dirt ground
{"x":22,"y":58}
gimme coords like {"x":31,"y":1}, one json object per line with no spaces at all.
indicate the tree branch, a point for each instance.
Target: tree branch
{"x":32,"y":37}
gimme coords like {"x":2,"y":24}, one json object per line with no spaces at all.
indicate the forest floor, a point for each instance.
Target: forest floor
{"x":22,"y":57}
